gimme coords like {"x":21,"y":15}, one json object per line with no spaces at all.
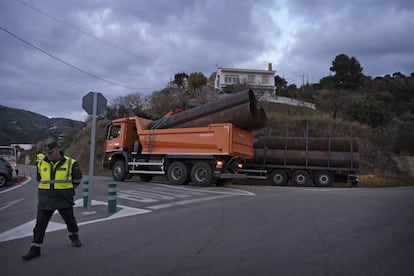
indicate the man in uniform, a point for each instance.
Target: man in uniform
{"x":58,"y":176}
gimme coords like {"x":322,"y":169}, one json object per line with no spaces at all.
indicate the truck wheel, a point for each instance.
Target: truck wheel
{"x":202,"y":174}
{"x":146,"y":177}
{"x":118,"y":171}
{"x":278,"y":177}
{"x":323,"y":179}
{"x":3,"y":180}
{"x":177,"y":173}
{"x":300,"y":177}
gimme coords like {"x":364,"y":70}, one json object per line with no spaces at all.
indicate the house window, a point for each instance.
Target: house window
{"x":265,"y":80}
{"x":251,"y":79}
{"x":231,"y":79}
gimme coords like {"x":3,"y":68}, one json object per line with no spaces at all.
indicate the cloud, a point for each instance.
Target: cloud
{"x":142,"y":44}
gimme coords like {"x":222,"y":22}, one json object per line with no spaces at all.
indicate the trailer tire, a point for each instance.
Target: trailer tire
{"x":178,"y":173}
{"x":118,"y":171}
{"x":278,"y":178}
{"x":202,"y":174}
{"x":323,"y":179}
{"x":300,"y":177}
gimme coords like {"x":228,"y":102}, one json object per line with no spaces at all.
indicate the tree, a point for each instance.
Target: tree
{"x":369,"y":111}
{"x":333,"y":101}
{"x":166,"y":100}
{"x":327,"y":82}
{"x":348,"y":72}
{"x":125,"y":106}
{"x":196,"y":80}
{"x":280,"y":82}
{"x":179,"y":79}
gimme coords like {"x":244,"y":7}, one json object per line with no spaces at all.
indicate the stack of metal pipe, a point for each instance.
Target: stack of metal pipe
{"x":300,"y":151}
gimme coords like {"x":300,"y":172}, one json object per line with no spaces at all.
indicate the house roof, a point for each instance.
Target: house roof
{"x":255,"y":71}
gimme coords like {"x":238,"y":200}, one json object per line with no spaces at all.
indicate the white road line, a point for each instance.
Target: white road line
{"x":18,"y":185}
{"x":227,"y":191}
{"x":10,"y":203}
{"x":26,"y":229}
{"x":188,"y":201}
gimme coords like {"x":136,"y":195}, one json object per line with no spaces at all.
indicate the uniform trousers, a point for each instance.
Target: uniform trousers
{"x":43,"y":218}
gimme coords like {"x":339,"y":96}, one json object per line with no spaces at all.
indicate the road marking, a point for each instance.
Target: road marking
{"x":216,"y":190}
{"x":149,"y":195}
{"x":9,"y":204}
{"x":188,"y":201}
{"x":26,"y":229}
{"x":17,"y":185}
{"x":167,"y":192}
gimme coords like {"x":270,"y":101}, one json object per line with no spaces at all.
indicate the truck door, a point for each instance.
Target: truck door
{"x":113,"y":138}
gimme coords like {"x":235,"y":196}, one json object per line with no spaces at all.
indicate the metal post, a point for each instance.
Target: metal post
{"x":307,"y":144}
{"x":85,"y":194}
{"x":92,"y":146}
{"x":112,"y":197}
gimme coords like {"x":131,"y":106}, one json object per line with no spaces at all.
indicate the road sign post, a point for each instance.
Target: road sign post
{"x":94,"y":104}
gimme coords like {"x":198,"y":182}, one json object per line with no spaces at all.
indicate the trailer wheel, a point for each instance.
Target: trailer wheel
{"x":278,"y":178}
{"x":300,"y":177}
{"x":202,"y":174}
{"x":323,"y":179}
{"x":146,"y":177}
{"x":177,"y":173}
{"x":118,"y":171}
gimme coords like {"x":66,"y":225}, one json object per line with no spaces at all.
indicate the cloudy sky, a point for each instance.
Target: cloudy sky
{"x":53,"y":52}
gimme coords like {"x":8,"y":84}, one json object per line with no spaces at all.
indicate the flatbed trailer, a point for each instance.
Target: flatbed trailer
{"x":301,"y":159}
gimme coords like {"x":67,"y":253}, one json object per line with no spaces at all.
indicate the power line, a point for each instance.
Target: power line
{"x":67,"y":63}
{"x":91,"y":35}
{"x":81,"y":31}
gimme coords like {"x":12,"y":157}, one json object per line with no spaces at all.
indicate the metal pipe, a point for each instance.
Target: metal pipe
{"x":239,"y":109}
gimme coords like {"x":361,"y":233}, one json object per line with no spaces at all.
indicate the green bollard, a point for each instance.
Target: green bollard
{"x":85,"y":193}
{"x":111,"y":198}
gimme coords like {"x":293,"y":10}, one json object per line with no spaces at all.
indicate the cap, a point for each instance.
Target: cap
{"x":50,"y":144}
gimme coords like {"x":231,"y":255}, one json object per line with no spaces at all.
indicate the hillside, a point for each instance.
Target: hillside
{"x":19,"y":126}
{"x":376,"y":155}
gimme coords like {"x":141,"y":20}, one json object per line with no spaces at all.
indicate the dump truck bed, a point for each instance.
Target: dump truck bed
{"x":215,"y":139}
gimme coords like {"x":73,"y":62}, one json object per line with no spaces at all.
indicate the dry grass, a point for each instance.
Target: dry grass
{"x":370,"y":180}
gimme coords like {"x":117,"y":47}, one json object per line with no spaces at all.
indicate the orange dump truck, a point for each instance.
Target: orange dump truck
{"x":201,"y":155}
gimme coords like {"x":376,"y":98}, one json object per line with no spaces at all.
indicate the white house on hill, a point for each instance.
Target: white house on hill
{"x":263,"y":80}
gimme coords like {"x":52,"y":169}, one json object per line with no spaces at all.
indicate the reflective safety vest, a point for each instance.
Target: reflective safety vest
{"x":40,"y":157}
{"x":55,"y":176}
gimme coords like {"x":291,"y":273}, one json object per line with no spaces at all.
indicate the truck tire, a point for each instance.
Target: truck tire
{"x":323,"y":179}
{"x":278,"y":178}
{"x":3,"y":180}
{"x":177,"y":173}
{"x":146,"y":177}
{"x":118,"y":171}
{"x":202,"y":174}
{"x":300,"y":177}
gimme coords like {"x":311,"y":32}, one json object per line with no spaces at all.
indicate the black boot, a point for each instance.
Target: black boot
{"x":74,"y":238}
{"x":33,"y":253}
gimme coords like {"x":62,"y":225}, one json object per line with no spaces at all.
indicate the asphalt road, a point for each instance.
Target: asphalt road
{"x":163,"y":229}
